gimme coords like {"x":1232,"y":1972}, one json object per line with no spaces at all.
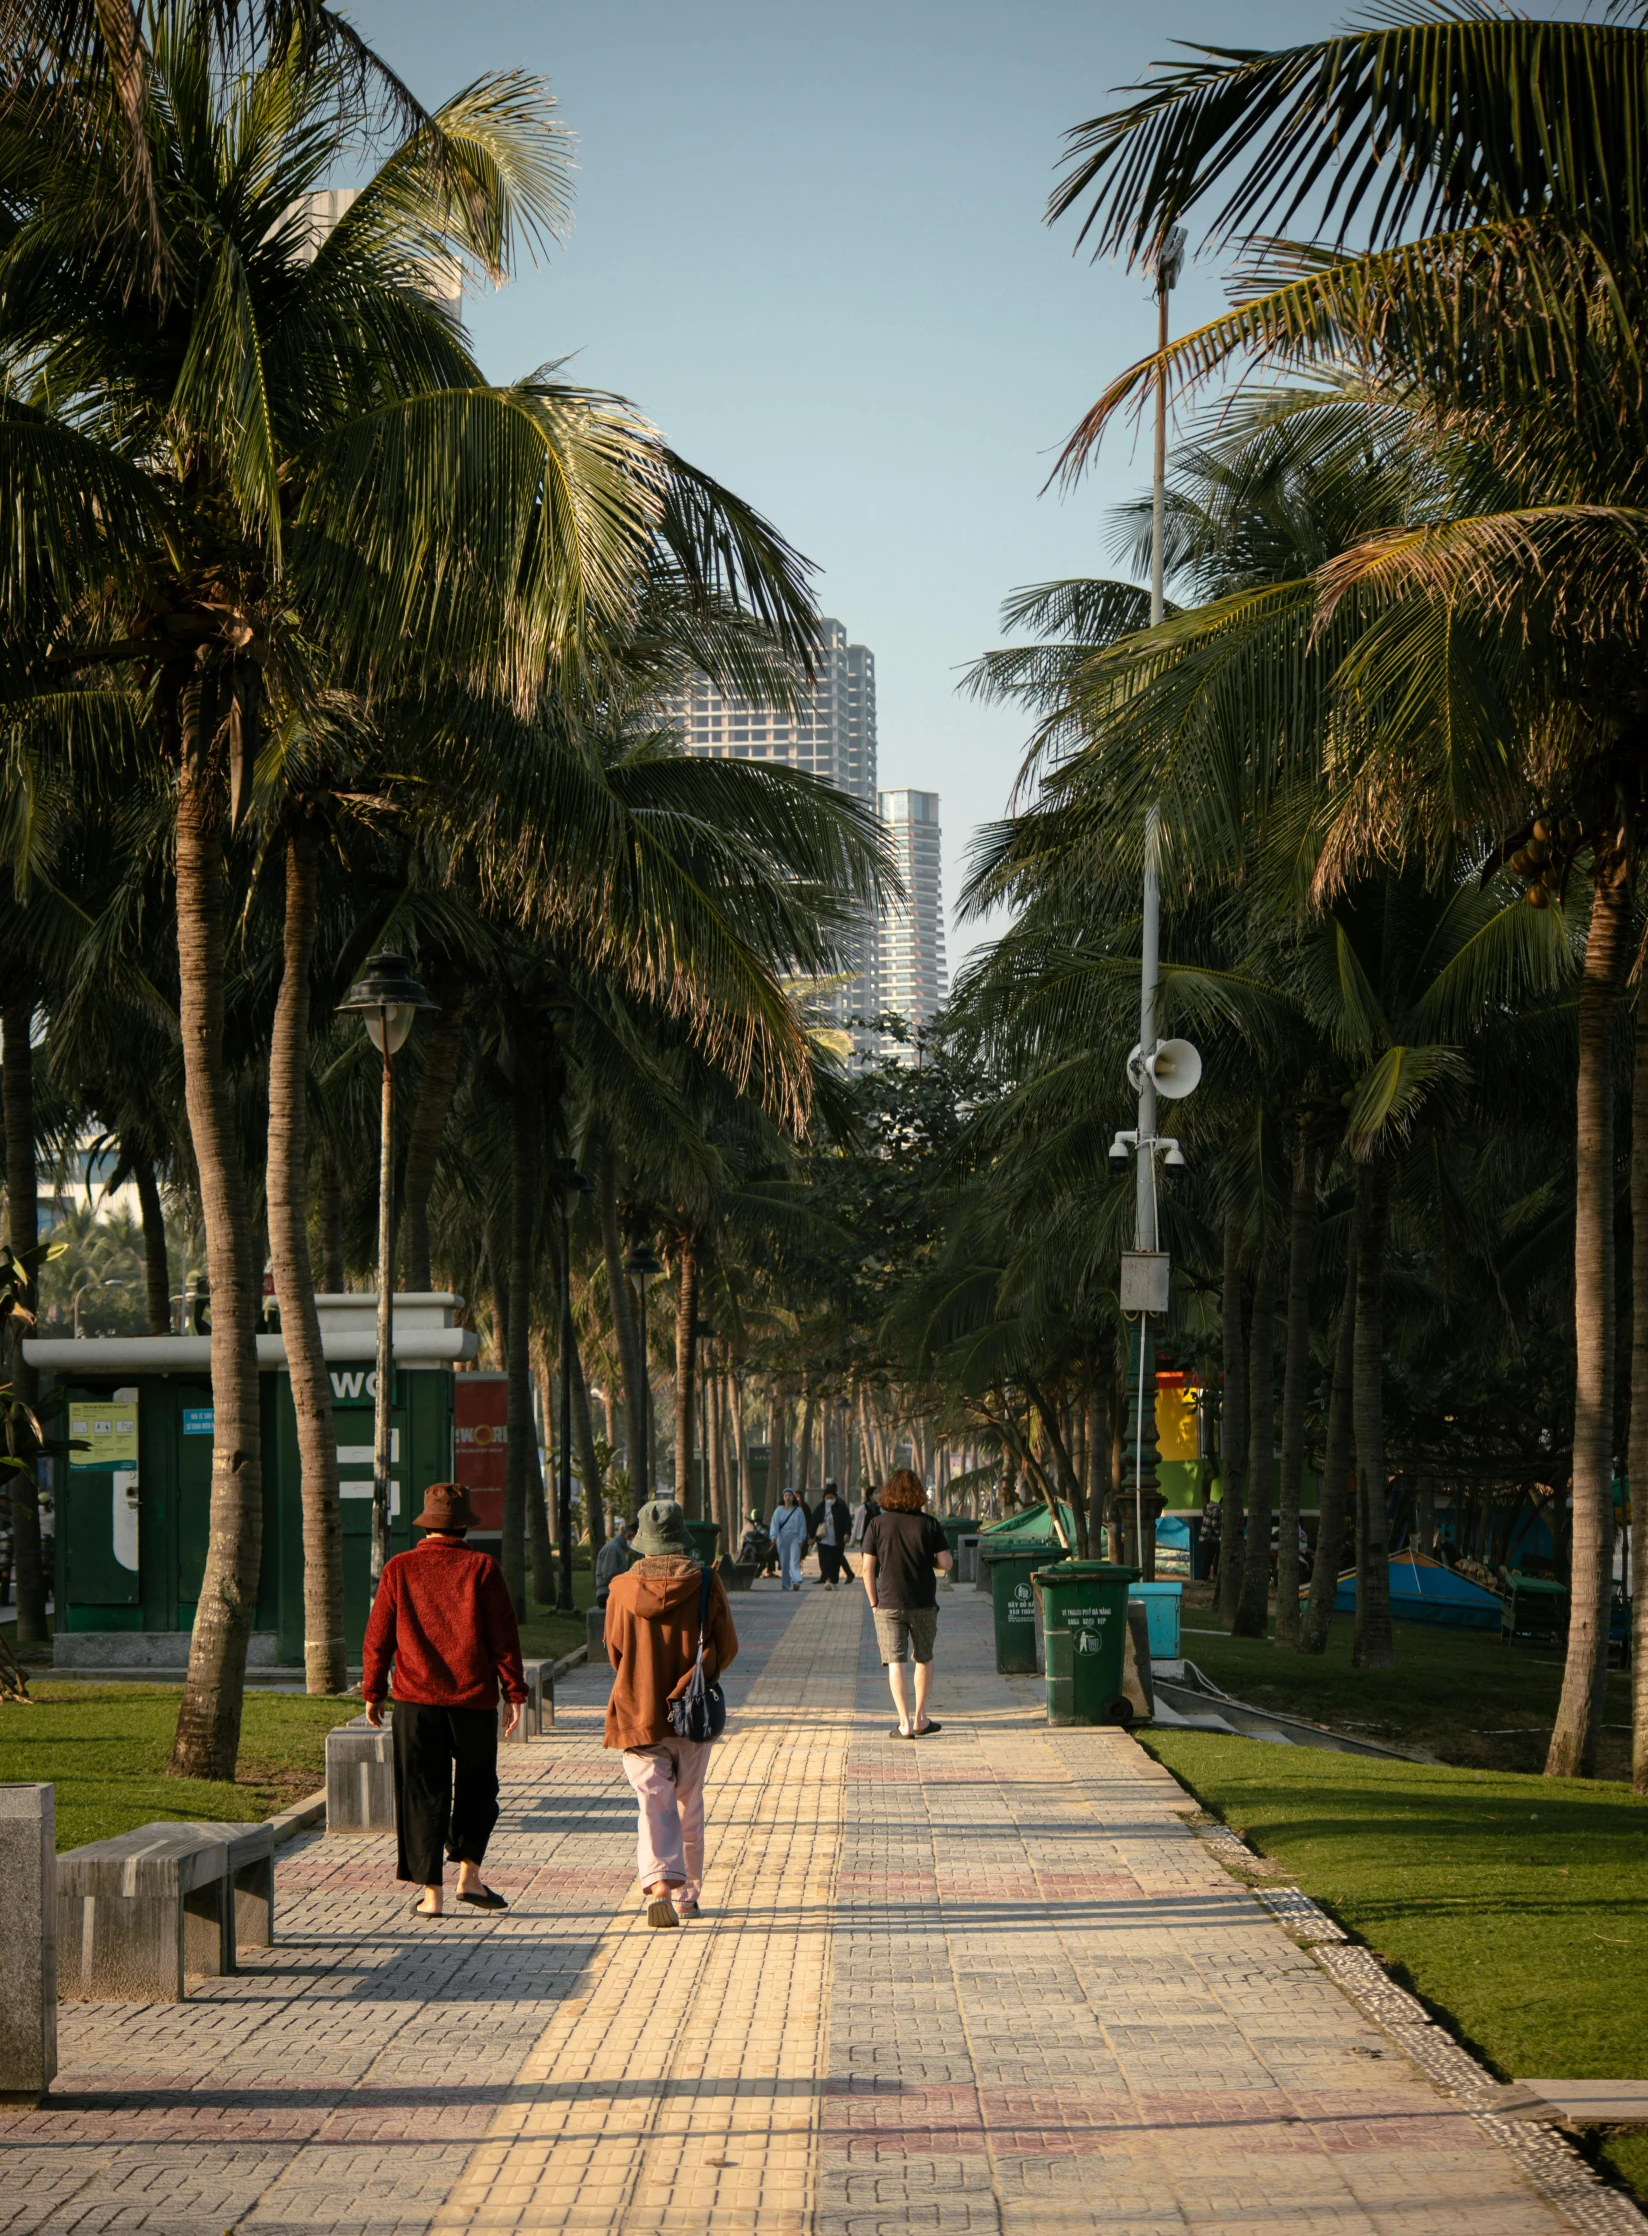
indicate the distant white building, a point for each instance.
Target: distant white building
{"x":911,"y":980}
{"x":831,"y":735}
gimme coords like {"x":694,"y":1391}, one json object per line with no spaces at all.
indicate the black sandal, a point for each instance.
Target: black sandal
{"x":928,"y":1733}
{"x":484,"y":1900}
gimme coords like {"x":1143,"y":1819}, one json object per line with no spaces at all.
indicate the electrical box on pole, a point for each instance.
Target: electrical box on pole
{"x":1144,"y":1280}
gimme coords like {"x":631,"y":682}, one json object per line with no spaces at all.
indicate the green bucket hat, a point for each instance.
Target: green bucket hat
{"x":660,"y":1528}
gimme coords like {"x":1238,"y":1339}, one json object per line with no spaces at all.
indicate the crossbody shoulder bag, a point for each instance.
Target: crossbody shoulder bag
{"x":701,"y":1711}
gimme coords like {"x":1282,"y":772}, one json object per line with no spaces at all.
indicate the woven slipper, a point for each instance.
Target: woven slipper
{"x":661,"y":1911}
{"x":484,"y":1900}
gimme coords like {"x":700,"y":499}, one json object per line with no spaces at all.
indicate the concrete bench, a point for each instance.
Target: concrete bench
{"x":251,"y":1884}
{"x":28,"y":1953}
{"x":360,"y":1779}
{"x":531,"y":1725}
{"x":138,"y":1914}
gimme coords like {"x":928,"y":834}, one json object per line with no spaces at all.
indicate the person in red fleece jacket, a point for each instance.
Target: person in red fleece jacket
{"x":443,"y":1617}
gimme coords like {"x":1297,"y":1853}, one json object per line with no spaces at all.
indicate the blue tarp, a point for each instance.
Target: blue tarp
{"x":1422,"y":1590}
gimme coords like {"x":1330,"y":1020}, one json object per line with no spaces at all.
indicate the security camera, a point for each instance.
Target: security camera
{"x":1175,"y":1158}
{"x":1121,"y":1149}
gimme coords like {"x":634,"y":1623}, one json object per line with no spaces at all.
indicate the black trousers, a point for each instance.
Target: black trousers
{"x":446,"y":1787}
{"x":832,"y":1564}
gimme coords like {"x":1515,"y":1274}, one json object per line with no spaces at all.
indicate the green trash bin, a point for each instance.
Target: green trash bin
{"x":954,"y":1527}
{"x":1084,"y":1617}
{"x":1013,"y":1599}
{"x":702,"y":1536}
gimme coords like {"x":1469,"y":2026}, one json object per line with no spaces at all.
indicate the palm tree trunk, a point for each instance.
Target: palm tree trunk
{"x":208,"y":1725}
{"x":626,"y":1332}
{"x":157,"y":1278}
{"x":1253,"y":1601}
{"x":521,"y":1473}
{"x":589,"y":1464}
{"x":442,"y":1047}
{"x":287,"y":1189}
{"x":1295,"y":1376}
{"x":1585,"y":1674}
{"x":804,"y":1456}
{"x":1637,"y":1457}
{"x":1069,"y":1481}
{"x":543,"y":1503}
{"x":1094,"y":1443}
{"x":1232,"y":1426}
{"x":331,"y":1223}
{"x":23,"y":1236}
{"x":1330,"y":1527}
{"x":686,"y":1379}
{"x":1375,"y":1646}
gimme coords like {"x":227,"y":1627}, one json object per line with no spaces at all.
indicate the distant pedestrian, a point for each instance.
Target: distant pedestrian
{"x":831,"y":1524}
{"x":612,"y":1560}
{"x":1207,"y":1538}
{"x":903,"y":1548}
{"x":864,"y":1513}
{"x":443,"y":1620}
{"x":652,"y":1630}
{"x":789,"y":1531}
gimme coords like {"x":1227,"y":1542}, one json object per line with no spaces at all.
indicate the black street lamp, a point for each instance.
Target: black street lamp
{"x":572,"y":1186}
{"x":641,"y":1264}
{"x":703,"y":1331}
{"x":386,"y":1000}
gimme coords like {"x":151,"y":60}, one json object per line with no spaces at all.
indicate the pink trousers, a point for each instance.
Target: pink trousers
{"x":669,"y":1789}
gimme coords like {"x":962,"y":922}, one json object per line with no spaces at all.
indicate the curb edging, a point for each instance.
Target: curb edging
{"x":1546,"y":2159}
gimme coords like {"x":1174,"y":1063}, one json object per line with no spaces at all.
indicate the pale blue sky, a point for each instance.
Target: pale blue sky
{"x":809,"y":244}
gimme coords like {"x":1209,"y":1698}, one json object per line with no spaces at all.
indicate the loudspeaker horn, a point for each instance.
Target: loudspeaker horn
{"x":1176,"y":1068}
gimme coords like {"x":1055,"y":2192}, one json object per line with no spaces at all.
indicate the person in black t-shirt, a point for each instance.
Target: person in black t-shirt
{"x":903,"y":1547}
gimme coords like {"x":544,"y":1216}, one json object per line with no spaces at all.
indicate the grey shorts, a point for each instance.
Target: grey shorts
{"x":905,"y":1634}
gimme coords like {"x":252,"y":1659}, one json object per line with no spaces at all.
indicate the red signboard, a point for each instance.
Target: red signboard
{"x":481,"y":1416}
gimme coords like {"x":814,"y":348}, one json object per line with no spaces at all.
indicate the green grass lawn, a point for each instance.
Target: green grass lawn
{"x":545,"y":1636}
{"x":1458,"y":1694}
{"x":1515,"y":1906}
{"x":105,"y":1749}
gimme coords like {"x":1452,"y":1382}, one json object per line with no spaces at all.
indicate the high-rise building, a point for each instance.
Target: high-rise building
{"x":831,"y":735}
{"x":910,"y":976}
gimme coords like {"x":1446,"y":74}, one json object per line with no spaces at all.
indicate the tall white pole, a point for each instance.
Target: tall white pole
{"x":1146,"y":1234}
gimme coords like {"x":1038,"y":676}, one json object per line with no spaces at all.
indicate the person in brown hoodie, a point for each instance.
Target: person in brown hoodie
{"x":652,"y":1644}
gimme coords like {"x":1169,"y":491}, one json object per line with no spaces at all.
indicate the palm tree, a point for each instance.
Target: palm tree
{"x":1510,"y":326}
{"x":323,"y":453}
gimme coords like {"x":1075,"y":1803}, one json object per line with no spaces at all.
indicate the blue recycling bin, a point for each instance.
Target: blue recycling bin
{"x":1162,"y":1605}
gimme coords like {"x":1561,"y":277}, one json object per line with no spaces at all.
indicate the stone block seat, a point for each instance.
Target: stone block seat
{"x":136,"y":1915}
{"x":533,"y":1718}
{"x":360,"y":1778}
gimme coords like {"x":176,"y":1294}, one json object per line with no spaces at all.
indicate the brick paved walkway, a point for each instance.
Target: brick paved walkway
{"x":990,"y":1982}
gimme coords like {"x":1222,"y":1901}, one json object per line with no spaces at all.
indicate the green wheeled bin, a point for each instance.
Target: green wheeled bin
{"x":953,"y":1526}
{"x":1013,"y":1599}
{"x":1084,"y":1619}
{"x":702,"y":1536}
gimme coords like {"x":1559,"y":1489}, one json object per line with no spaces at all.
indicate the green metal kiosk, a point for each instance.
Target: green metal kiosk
{"x":131,"y":1502}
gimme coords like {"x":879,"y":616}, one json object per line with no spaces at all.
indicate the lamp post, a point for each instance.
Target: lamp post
{"x":1146,"y":1229}
{"x":703,"y":1331}
{"x":641,"y":1264}
{"x":81,"y":1291}
{"x":572,"y":1186}
{"x":386,"y":1000}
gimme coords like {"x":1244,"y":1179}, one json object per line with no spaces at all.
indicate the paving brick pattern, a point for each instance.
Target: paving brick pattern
{"x":991,"y":1981}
